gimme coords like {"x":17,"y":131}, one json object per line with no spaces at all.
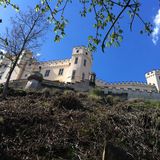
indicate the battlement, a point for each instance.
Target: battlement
{"x":80,"y":47}
{"x":82,"y":50}
{"x":55,"y":62}
{"x":157,"y":71}
{"x":122,"y":83}
{"x":134,"y":86}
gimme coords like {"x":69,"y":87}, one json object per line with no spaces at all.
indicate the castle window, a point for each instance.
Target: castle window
{"x":47,"y":73}
{"x":77,"y":51}
{"x":40,"y":68}
{"x":83,"y":76}
{"x":5,"y":65}
{"x":86,"y":53}
{"x":60,"y":71}
{"x":0,"y":76}
{"x":25,"y":75}
{"x":73,"y":74}
{"x":85,"y":61}
{"x":76,"y":60}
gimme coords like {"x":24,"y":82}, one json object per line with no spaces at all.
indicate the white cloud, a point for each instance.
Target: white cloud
{"x":38,"y":54}
{"x":156,"y":29}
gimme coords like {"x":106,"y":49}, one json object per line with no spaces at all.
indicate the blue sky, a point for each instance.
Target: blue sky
{"x":129,"y":62}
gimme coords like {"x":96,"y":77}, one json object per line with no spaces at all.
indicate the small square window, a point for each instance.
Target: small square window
{"x":47,"y":73}
{"x":86,"y":53}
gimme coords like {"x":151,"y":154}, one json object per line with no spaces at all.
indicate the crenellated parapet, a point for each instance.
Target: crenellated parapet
{"x":154,"y":71}
{"x":127,"y":86}
{"x":55,"y":63}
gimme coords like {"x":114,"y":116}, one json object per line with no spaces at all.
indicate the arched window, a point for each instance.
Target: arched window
{"x":61,"y":71}
{"x":85,"y":61}
{"x":47,"y":73}
{"x":76,"y":60}
{"x":73,"y":74}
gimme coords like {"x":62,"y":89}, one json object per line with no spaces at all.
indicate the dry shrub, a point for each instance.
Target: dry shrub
{"x":82,"y":94}
{"x":109,"y":99}
{"x":46,"y":92}
{"x":29,"y":131}
{"x":69,"y":101}
{"x":14,"y":92}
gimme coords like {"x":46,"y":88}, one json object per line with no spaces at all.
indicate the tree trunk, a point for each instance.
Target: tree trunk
{"x":6,"y":85}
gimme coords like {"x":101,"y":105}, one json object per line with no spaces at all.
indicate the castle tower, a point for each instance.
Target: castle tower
{"x":80,"y":65}
{"x":153,"y":78}
{"x":23,"y":64}
{"x":19,"y":69}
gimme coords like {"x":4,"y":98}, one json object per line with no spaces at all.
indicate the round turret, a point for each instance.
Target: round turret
{"x":80,"y":66}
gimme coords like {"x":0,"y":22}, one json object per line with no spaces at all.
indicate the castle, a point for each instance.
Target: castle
{"x":77,"y":71}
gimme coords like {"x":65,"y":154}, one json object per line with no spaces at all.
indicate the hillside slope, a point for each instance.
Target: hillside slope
{"x":76,"y":127}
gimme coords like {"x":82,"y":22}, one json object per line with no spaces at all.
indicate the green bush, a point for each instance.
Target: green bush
{"x":96,"y":92}
{"x":109,"y":99}
{"x":152,"y":103}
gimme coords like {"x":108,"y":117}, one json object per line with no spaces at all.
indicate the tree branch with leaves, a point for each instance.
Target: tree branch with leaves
{"x":108,"y":15}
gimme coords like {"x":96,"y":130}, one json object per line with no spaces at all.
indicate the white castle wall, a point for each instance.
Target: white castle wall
{"x":134,"y":94}
{"x":54,"y":67}
{"x":128,"y":85}
{"x":134,"y":90}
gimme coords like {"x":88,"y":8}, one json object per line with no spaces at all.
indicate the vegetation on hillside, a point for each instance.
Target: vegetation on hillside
{"x":77,"y":126}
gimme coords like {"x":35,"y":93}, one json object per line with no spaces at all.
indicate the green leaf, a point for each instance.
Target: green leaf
{"x":37,"y":8}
